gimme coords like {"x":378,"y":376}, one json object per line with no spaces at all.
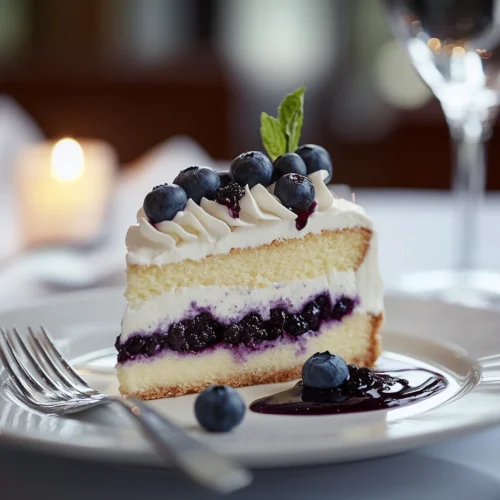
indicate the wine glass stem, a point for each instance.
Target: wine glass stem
{"x":469,"y":187}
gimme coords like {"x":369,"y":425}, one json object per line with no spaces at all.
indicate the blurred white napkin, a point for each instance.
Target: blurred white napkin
{"x":17,"y":129}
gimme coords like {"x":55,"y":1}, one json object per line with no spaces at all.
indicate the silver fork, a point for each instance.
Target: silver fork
{"x":41,"y":378}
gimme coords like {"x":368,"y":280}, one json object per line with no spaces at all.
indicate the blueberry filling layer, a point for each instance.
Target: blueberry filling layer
{"x":204,"y":331}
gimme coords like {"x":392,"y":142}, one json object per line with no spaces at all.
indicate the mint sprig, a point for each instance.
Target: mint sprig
{"x":281,"y":135}
{"x":273,"y":137}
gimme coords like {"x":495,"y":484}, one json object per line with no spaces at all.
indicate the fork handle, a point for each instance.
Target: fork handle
{"x":196,"y":460}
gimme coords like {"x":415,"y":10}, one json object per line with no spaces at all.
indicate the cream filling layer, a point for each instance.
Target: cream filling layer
{"x":229,"y":302}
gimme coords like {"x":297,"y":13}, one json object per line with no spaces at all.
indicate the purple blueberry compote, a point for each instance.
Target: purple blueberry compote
{"x":230,"y":197}
{"x":204,"y":330}
{"x":363,"y":390}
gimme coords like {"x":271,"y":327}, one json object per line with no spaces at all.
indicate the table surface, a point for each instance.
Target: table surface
{"x":416,"y":233}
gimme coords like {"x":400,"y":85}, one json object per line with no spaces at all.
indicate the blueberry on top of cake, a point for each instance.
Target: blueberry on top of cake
{"x":235,"y":278}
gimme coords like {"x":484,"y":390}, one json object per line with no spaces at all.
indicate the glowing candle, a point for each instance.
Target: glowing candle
{"x":63,"y":190}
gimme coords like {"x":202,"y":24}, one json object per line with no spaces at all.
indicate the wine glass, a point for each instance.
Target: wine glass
{"x":455,"y":47}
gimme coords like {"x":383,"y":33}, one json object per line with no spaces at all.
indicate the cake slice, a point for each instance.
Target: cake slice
{"x":239,"y":284}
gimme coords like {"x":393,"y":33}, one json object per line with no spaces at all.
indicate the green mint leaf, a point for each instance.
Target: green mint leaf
{"x":291,"y":117}
{"x":293,"y":135}
{"x":289,"y":106}
{"x":273,"y":136}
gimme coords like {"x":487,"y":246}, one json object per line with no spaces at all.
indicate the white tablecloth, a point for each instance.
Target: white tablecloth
{"x":416,"y":233}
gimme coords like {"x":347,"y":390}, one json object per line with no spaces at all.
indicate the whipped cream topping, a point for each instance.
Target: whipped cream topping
{"x":208,"y":228}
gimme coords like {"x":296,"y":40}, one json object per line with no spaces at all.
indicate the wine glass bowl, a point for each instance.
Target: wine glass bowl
{"x":455,"y":47}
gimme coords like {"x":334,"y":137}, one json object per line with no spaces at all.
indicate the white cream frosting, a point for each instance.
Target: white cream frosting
{"x":208,"y":228}
{"x":228,"y":302}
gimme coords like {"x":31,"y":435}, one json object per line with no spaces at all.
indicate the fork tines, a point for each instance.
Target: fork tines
{"x":39,"y":374}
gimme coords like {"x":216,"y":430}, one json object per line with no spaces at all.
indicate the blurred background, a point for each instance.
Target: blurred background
{"x":135,"y":73}
{"x":146,"y":88}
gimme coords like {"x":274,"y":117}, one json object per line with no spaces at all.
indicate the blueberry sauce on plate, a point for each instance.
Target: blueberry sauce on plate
{"x":364,"y":390}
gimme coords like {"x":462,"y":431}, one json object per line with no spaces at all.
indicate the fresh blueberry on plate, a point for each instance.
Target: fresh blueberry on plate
{"x":295,"y":191}
{"x":164,"y":202}
{"x":219,"y":408}
{"x":198,"y":182}
{"x":324,"y":371}
{"x":252,"y":168}
{"x":225,"y":179}
{"x":289,"y":163}
{"x":316,"y":158}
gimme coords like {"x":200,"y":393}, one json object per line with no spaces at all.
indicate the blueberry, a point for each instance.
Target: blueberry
{"x":225,"y":179}
{"x":342,"y":307}
{"x":153,"y":346}
{"x":200,"y":335}
{"x":353,"y":369}
{"x":295,"y":191}
{"x":312,"y":314}
{"x":316,"y":158}
{"x":251,"y":334}
{"x":122,"y":356}
{"x":135,"y":345}
{"x":219,"y":408}
{"x":323,"y":301}
{"x":273,"y":332}
{"x":205,"y":327}
{"x":164,"y":202}
{"x":252,"y":319}
{"x":278,"y":317}
{"x":324,"y":371}
{"x":361,"y":380}
{"x":232,"y":335}
{"x":198,"y":182}
{"x":296,"y":325}
{"x":176,"y":339}
{"x":289,"y":163}
{"x":252,"y":168}
{"x":197,"y":342}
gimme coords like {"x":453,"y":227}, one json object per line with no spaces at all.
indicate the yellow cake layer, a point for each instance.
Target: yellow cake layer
{"x":282,"y":261}
{"x":356,"y":339}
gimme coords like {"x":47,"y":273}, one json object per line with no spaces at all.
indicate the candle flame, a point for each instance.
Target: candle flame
{"x":68,"y":161}
{"x":434,"y":44}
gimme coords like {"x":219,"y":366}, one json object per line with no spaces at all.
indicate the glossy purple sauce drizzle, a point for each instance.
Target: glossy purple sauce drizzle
{"x":389,"y":390}
{"x":303,"y":216}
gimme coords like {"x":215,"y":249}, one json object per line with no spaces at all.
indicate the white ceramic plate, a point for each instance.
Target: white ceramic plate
{"x":462,"y":344}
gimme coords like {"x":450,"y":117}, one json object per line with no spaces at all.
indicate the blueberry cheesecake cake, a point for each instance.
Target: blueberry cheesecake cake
{"x":236,"y":278}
